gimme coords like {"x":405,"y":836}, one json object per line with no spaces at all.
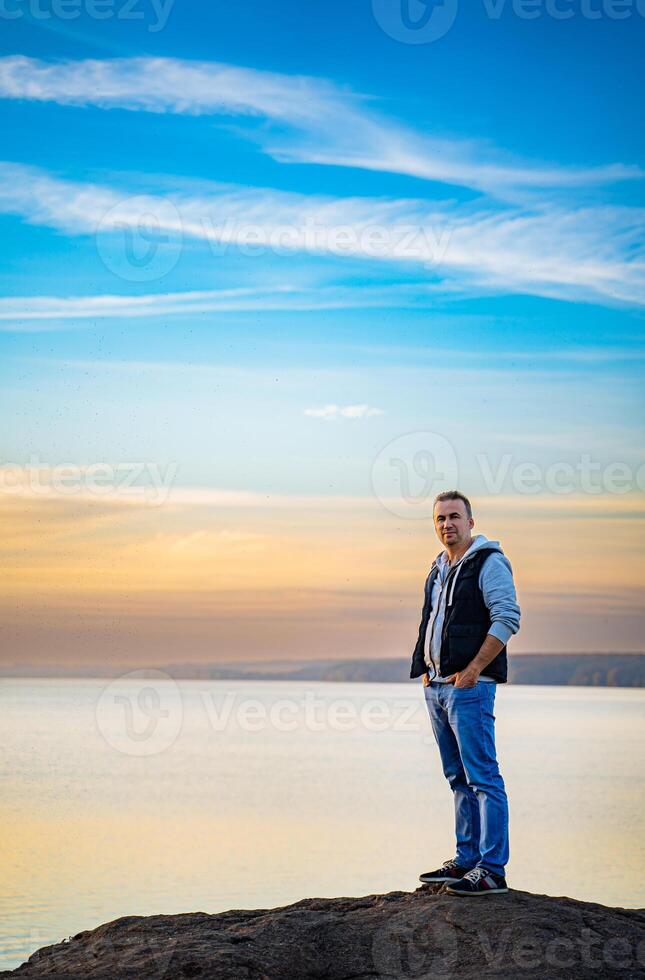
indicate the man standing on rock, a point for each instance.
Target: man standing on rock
{"x":470,"y":611}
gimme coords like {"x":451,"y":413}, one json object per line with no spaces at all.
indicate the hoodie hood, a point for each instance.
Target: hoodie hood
{"x":479,"y":541}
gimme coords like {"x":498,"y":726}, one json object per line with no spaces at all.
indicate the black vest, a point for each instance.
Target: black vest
{"x":465,"y":625}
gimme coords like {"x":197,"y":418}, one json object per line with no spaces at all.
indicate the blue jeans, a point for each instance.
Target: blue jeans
{"x":464,"y":727}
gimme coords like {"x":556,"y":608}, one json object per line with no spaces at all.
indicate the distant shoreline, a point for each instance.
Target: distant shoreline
{"x":566,"y":669}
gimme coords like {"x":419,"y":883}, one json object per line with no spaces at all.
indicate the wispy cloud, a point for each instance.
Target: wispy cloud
{"x":313,"y":120}
{"x":590,"y":254}
{"x":16,"y":482}
{"x":168,"y":85}
{"x":517,"y":359}
{"x":331,"y":412}
{"x":39,"y":313}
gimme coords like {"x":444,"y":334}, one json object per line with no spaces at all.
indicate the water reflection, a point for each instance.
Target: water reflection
{"x":256,"y":794}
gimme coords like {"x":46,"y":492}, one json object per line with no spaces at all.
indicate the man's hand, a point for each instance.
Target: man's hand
{"x":425,"y":679}
{"x":467,"y":677}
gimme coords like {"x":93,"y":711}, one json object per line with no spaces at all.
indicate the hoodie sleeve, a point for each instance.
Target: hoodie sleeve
{"x":498,"y":590}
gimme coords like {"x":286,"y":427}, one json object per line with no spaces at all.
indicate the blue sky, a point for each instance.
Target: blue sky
{"x":521,"y":134}
{"x":476,"y":268}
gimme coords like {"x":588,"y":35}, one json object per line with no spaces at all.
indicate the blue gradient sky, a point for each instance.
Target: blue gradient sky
{"x":512,"y":146}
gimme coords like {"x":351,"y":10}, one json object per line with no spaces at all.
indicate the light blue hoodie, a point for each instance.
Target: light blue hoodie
{"x":498,"y":591}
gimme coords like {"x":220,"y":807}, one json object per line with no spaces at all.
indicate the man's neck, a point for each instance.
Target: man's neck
{"x":454,"y":554}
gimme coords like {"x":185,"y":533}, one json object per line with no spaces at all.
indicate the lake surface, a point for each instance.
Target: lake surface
{"x":149,"y":796}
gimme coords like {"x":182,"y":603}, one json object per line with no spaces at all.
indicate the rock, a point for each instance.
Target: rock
{"x":411,"y":935}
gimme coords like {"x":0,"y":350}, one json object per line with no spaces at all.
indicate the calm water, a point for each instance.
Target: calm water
{"x":140,"y":797}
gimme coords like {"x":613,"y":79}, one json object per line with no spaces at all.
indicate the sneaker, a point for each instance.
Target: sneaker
{"x":449,"y":871}
{"x":477,"y":882}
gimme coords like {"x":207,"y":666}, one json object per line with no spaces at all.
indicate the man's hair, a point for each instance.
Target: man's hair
{"x":454,"y":495}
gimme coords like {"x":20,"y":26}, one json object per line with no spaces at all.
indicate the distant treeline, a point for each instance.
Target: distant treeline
{"x":577,"y":669}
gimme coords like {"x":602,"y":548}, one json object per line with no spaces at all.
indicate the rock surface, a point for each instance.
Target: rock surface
{"x":415,"y":935}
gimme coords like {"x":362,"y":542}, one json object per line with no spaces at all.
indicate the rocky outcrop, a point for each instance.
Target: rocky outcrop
{"x":411,"y":935}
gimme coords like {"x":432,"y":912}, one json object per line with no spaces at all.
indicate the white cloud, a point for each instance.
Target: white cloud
{"x":38,"y":313}
{"x":314,"y":121}
{"x":589,"y":254}
{"x":329,"y":412}
{"x":168,"y":85}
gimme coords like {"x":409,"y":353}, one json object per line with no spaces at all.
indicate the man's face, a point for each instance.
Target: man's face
{"x":452,"y":524}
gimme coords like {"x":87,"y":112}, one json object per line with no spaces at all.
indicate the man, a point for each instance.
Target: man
{"x":469,"y":613}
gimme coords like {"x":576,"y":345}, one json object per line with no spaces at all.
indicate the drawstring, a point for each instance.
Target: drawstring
{"x":452,"y":587}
